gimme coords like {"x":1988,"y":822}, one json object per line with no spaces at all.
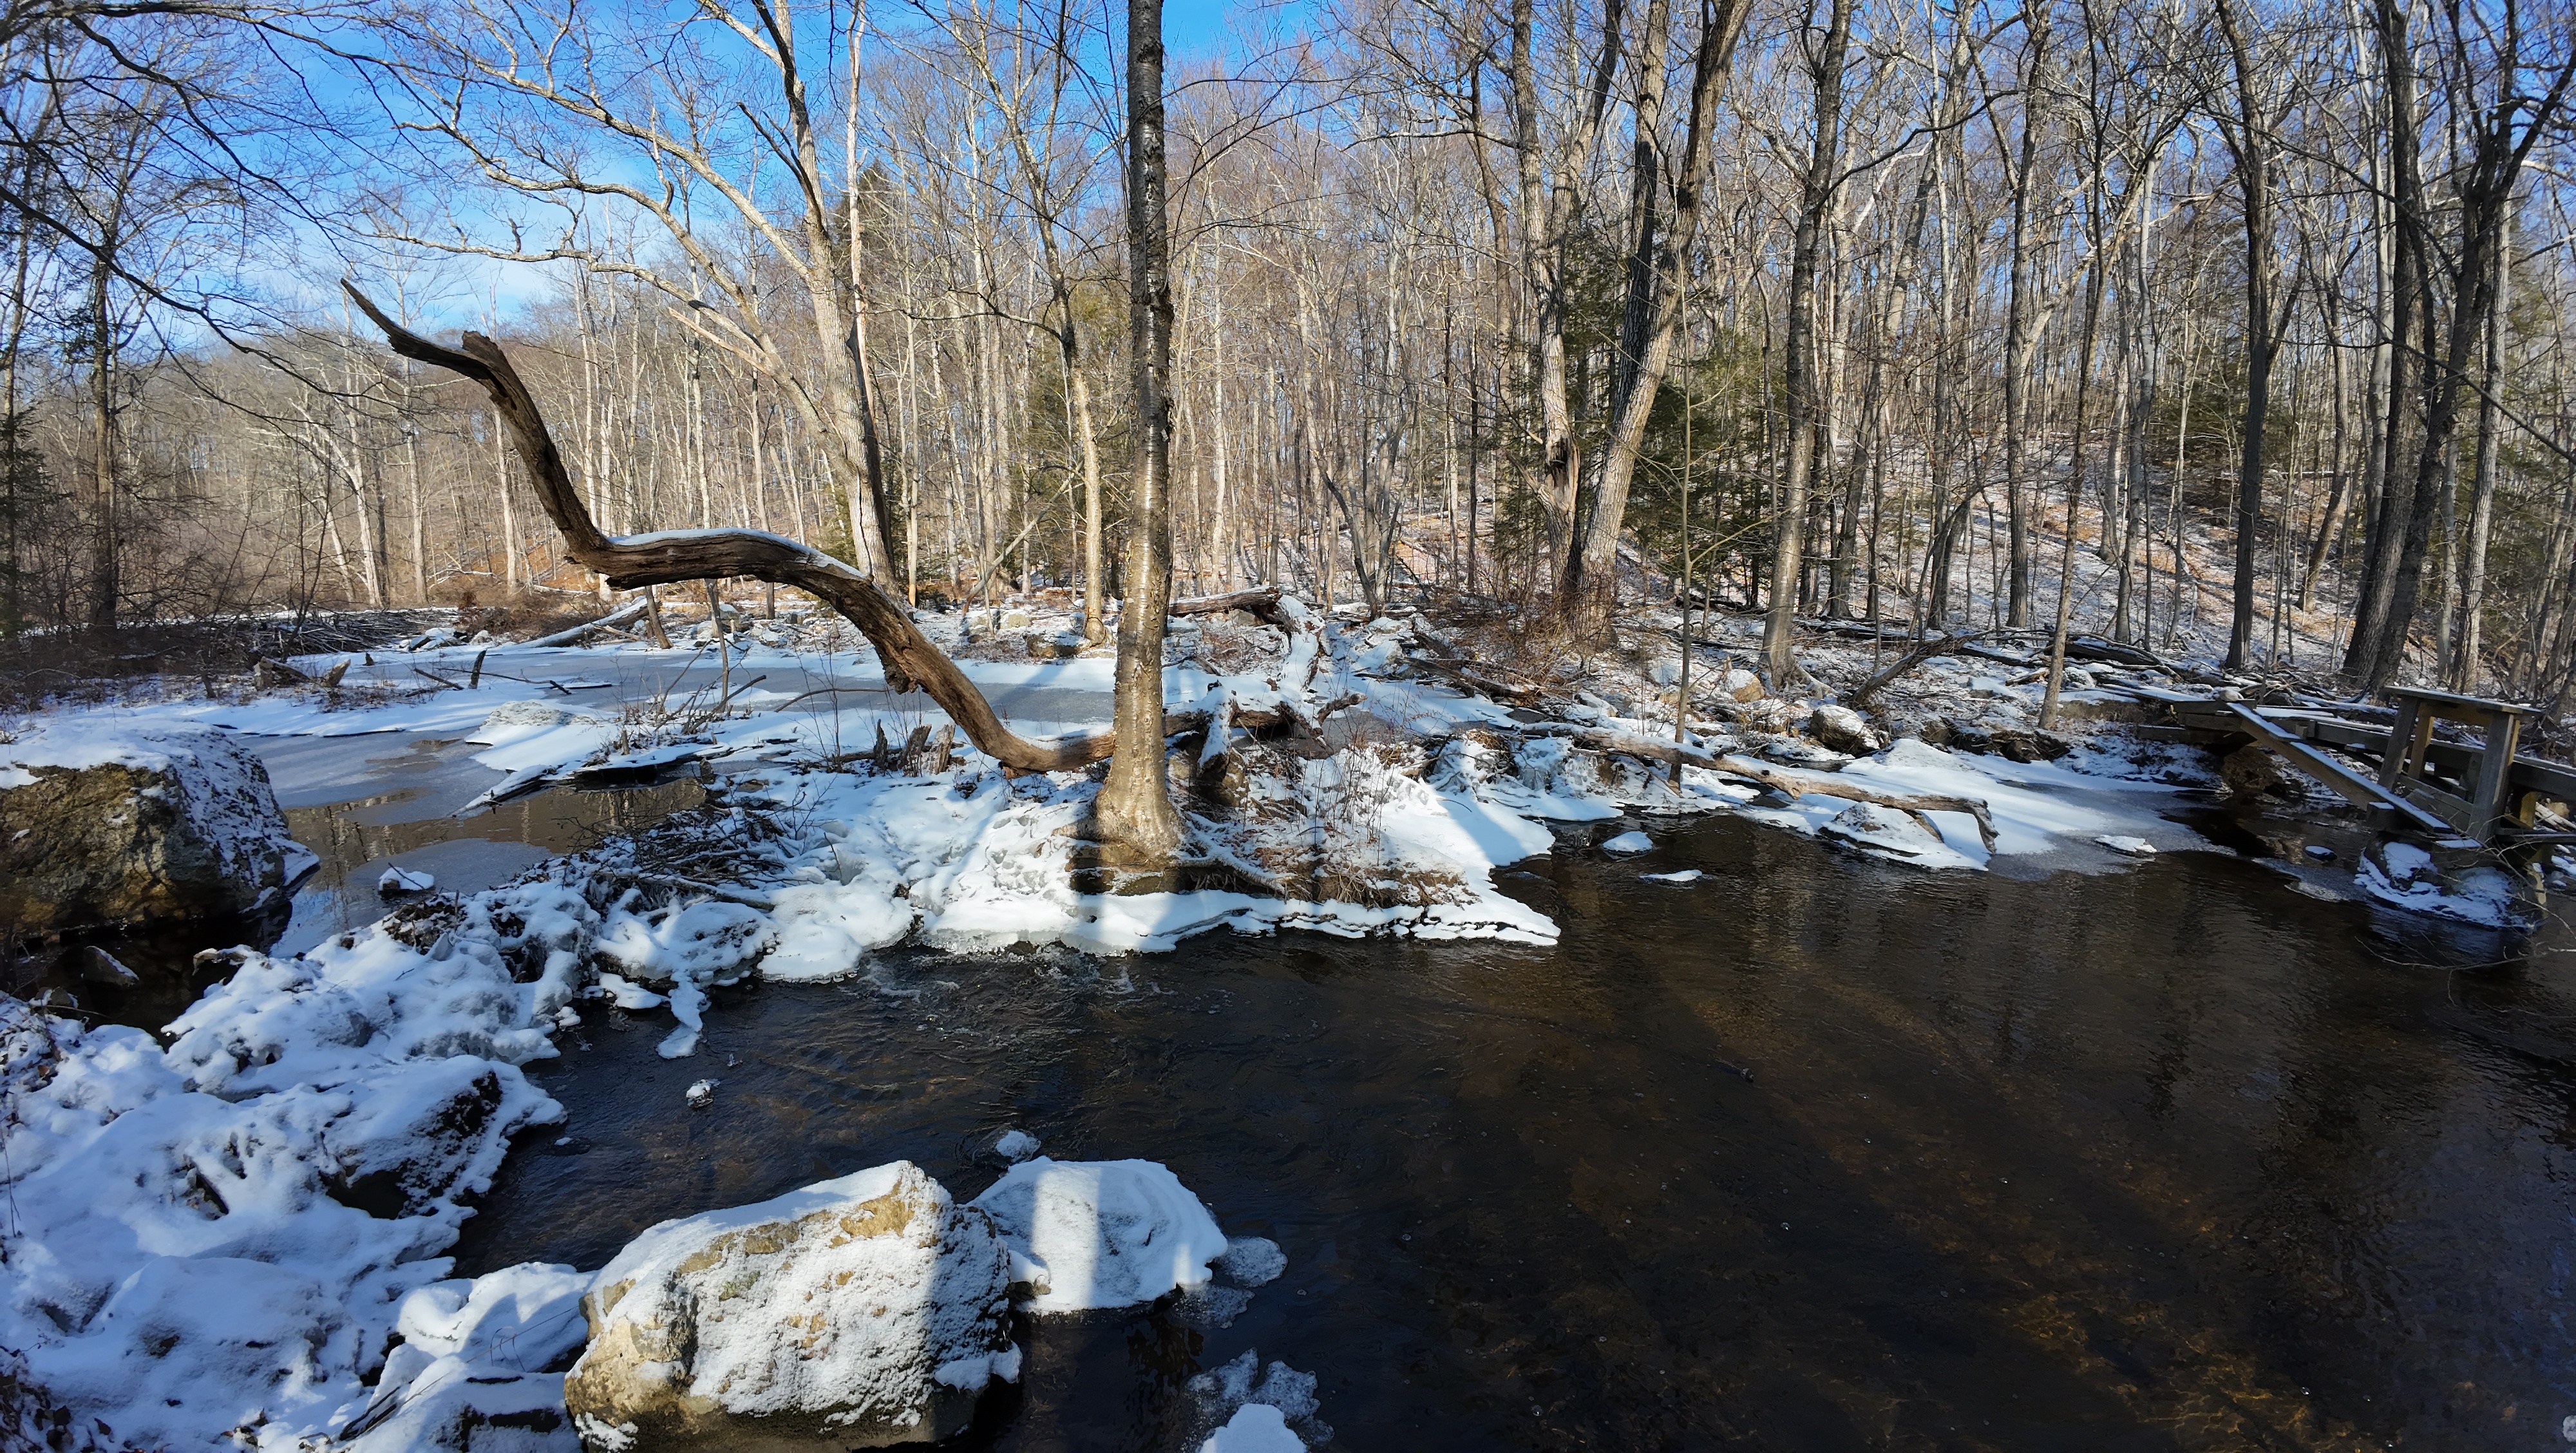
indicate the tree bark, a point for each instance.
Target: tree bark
{"x":2473,"y":586}
{"x":1134,"y":809}
{"x":1806,"y":403}
{"x":2249,"y":140}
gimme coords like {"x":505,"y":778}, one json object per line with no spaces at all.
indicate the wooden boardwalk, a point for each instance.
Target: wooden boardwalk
{"x":2485,"y":794}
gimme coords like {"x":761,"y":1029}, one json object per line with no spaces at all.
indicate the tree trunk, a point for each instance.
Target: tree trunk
{"x":1656,"y":302}
{"x":102,"y":399}
{"x":2473,"y":587}
{"x":2252,"y":148}
{"x":1134,"y":810}
{"x":1779,"y":631}
{"x":2019,"y":342}
{"x":2376,"y":601}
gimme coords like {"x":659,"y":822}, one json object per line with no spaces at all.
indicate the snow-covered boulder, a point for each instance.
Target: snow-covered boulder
{"x":2406,"y":876}
{"x":1842,"y":729}
{"x":1892,"y":833}
{"x":856,"y":1312}
{"x":107,"y":822}
{"x":1102,"y":1233}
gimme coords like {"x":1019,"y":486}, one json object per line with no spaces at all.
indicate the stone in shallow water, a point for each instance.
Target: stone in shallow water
{"x":1629,"y":842}
{"x":1101,"y":1233}
{"x":855,"y":1313}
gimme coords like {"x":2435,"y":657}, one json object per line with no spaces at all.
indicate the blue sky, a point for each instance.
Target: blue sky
{"x":1195,"y":31}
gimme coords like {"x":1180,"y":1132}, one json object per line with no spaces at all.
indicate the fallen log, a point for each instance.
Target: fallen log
{"x":2094,"y":648}
{"x":1653,"y":749}
{"x":1911,"y":803}
{"x":1466,"y":674}
{"x":619,"y":616}
{"x":669,"y":556}
{"x":1263,"y":603}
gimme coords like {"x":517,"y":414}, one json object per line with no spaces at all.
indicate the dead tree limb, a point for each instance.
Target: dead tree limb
{"x":663,"y":558}
{"x":1915,"y":655}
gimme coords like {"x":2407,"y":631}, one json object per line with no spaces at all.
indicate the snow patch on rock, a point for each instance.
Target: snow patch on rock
{"x":1104,"y":1233}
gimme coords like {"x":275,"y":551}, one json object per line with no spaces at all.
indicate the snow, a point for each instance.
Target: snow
{"x":2403,"y":875}
{"x":1683,"y":875}
{"x":1629,"y":842}
{"x":1890,"y":833}
{"x":1092,"y":1234}
{"x":2136,"y":847}
{"x":1254,"y":1428}
{"x":223,"y":1232}
{"x":406,"y":880}
{"x":1015,"y":1145}
{"x":701,"y":1093}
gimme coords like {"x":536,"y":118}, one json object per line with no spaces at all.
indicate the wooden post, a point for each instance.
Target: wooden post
{"x":2495,"y":772}
{"x":2405,"y":741}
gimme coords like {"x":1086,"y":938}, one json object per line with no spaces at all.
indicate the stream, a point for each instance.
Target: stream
{"x":1817,"y":1152}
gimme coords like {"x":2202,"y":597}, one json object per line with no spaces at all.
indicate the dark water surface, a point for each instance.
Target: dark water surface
{"x":1816,"y":1153}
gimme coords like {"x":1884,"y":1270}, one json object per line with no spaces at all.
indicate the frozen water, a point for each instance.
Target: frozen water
{"x":1252,"y":1261}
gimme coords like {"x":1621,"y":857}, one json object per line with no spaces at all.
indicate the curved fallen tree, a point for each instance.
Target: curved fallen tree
{"x":631,"y":562}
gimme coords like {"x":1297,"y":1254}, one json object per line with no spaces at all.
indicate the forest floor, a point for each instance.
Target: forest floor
{"x":1362,"y":775}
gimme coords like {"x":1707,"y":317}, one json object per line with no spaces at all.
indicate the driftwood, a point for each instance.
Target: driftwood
{"x":1914,"y":804}
{"x":635,"y":561}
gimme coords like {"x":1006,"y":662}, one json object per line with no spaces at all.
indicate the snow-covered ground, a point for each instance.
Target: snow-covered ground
{"x":213,"y":1242}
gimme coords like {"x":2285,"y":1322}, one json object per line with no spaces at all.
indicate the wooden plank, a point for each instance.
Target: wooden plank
{"x":2450,"y":805}
{"x":2445,"y":702}
{"x":2342,"y":779}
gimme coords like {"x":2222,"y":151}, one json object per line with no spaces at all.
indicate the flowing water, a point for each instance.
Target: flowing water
{"x":1815,"y":1153}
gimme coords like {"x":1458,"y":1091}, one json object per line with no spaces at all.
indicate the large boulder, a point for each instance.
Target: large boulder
{"x":1842,"y":729}
{"x":855,"y":1313}
{"x":105,"y":823}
